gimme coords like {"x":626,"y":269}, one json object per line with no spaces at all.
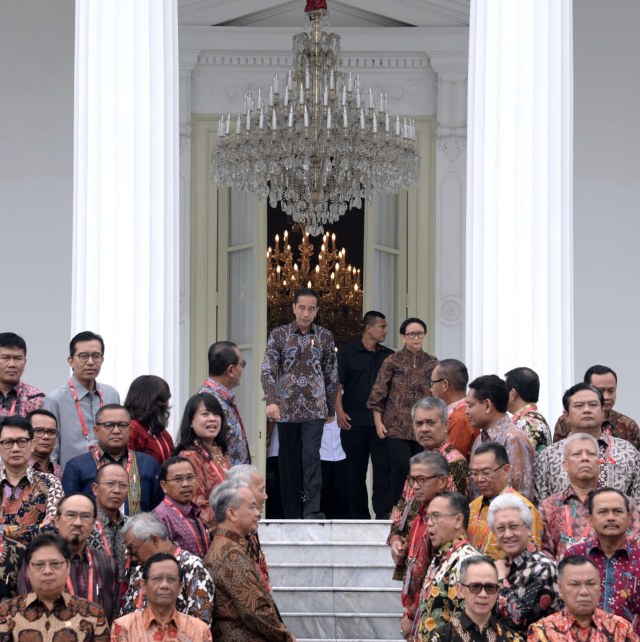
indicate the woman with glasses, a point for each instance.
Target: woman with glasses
{"x":148,"y":405}
{"x":202,"y":439}
{"x":403,"y":379}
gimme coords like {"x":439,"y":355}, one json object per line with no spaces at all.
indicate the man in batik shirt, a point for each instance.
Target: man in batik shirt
{"x":613,"y":423}
{"x":565,"y":515}
{"x":447,"y":521}
{"x":616,"y":556}
{"x":581,"y":620}
{"x":619,"y":460}
{"x":524,"y":389}
{"x":16,"y":397}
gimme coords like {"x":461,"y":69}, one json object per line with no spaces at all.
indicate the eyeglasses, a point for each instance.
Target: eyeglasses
{"x":112,"y":485}
{"x":110,"y":425}
{"x":181,"y":480}
{"x":41,"y":432}
{"x":71,"y":516}
{"x":432,"y":381}
{"x":8,"y":444}
{"x":514,"y":528}
{"x":415,"y":335}
{"x":476,"y":588}
{"x":420,"y":480}
{"x":487,"y":472}
{"x":96,"y":357}
{"x":5,"y":358}
{"x":242,"y":364}
{"x":54,"y":565}
{"x":171,"y":580}
{"x":436,"y":517}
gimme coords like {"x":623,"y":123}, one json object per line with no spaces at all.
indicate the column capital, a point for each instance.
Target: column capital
{"x":452,"y":114}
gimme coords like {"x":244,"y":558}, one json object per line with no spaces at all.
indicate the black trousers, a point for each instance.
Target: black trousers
{"x":400,"y":452}
{"x":299,"y":460}
{"x":360,"y":443}
{"x":334,"y":481}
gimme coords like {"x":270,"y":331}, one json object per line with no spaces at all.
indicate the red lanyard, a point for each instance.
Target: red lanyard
{"x":587,"y":528}
{"x":105,"y":541}
{"x":159,"y":439}
{"x":221,"y":475}
{"x":90,"y":586}
{"x":418,"y":531}
{"x":12,"y":411}
{"x":83,"y":423}
{"x":608,"y":459}
{"x":204,"y":537}
{"x":567,"y":629}
{"x":472,"y":533}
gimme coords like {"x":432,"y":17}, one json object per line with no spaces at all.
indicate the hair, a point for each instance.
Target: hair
{"x":407,"y":322}
{"x":225,"y":496}
{"x":458,"y":504}
{"x":43,"y":412}
{"x":172,"y":461}
{"x":498,"y":450}
{"x":607,"y":489}
{"x":574,"y":560}
{"x":431,"y":403}
{"x":455,"y":372}
{"x":507,"y":502}
{"x":436,"y":461}
{"x":598,"y":370}
{"x":370,"y":317}
{"x":243,"y":472}
{"x":222,"y":354}
{"x":148,"y":402}
{"x":16,"y":421}
{"x":306,"y":292}
{"x":87,"y":335}
{"x":66,"y":497}
{"x":13,"y":340}
{"x":494,"y":389}
{"x":526,"y":383}
{"x":579,"y":387}
{"x":186,"y":433}
{"x":144,"y":526}
{"x":102,"y":471}
{"x":474,"y":560}
{"x":578,"y":436}
{"x":161,"y":557}
{"x":109,"y":406}
{"x":48,"y":539}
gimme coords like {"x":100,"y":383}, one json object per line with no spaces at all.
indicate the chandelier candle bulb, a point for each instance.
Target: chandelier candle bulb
{"x":344,"y":95}
{"x":271,"y":96}
{"x":228,"y":127}
{"x":289,"y":81}
{"x":381,"y":102}
{"x":329,"y":119}
{"x":375,"y":123}
{"x":370,"y":98}
{"x":362,"y":119}
{"x":325,"y":99}
{"x":248,"y":120}
{"x":345,"y":120}
{"x":301,"y":96}
{"x":261,"y":118}
{"x":276,"y":84}
{"x":349,"y":83}
{"x":386,"y":122}
{"x":286,"y":96}
{"x":358,"y":98}
{"x":291,"y":118}
{"x":307,"y":80}
{"x":306,"y":118}
{"x":274,"y":124}
{"x":332,"y":80}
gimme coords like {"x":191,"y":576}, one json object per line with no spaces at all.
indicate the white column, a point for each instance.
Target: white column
{"x":126,"y":212}
{"x":519,"y":195}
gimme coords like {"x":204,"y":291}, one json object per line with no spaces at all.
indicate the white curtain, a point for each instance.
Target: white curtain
{"x":519,"y":308}
{"x":125,"y":249}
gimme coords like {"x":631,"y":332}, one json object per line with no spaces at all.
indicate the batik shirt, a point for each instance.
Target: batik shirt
{"x":530,"y":590}
{"x":616,"y":425}
{"x":461,"y":432}
{"x":300,"y":373}
{"x":482,"y":537}
{"x":565,"y":518}
{"x":464,"y":629}
{"x":184,"y":525}
{"x":142,"y":626}
{"x":604,"y":627}
{"x":52,"y":468}
{"x":20,"y":400}
{"x":237,"y":443}
{"x":619,"y":468}
{"x":619,"y":576}
{"x":439,"y":599}
{"x":519,"y":450}
{"x":107,"y":536}
{"x":11,"y":558}
{"x":419,"y":557}
{"x":534,"y":424}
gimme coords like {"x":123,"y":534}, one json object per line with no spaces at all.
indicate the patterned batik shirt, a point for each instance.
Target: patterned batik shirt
{"x":142,"y":625}
{"x":604,"y":627}
{"x":464,"y":629}
{"x":20,"y":400}
{"x":107,"y":536}
{"x":482,"y":537}
{"x":52,"y":468}
{"x":11,"y":558}
{"x":402,"y":380}
{"x":519,"y":451}
{"x":184,"y":525}
{"x":237,"y":443}
{"x":72,"y":619}
{"x":534,"y":424}
{"x":619,"y":575}
{"x":195,"y":598}
{"x":530,"y":590}
{"x":439,"y":599}
{"x":619,"y":468}
{"x":300,"y":373}
{"x":616,"y":425}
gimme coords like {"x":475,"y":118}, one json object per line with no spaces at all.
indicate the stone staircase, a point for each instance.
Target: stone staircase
{"x":332,"y":579}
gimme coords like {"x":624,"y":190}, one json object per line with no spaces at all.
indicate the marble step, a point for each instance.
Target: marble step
{"x":343,"y":626}
{"x":366,"y":531}
{"x":345,"y":600}
{"x":322,"y":552}
{"x":338,"y":575}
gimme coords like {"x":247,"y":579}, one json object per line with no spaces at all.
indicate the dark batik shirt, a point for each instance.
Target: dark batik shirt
{"x":107,"y":536}
{"x":464,"y":629}
{"x":616,"y":425}
{"x":11,"y":557}
{"x":20,"y":400}
{"x":184,"y":525}
{"x":530,"y":419}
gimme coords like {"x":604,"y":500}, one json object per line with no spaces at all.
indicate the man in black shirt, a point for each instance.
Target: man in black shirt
{"x":358,"y":366}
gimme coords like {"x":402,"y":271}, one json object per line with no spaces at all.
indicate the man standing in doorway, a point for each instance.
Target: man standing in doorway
{"x":300,"y":381}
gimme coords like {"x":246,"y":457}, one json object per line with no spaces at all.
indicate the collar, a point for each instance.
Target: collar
{"x":504,"y":423}
{"x":594,"y":545}
{"x":569,"y":493}
{"x":519,"y":561}
{"x":33,"y":597}
{"x":571,"y":621}
{"x":234,"y":537}
{"x":467,"y":624}
{"x":105,"y":520}
{"x":445,"y":548}
{"x":35,"y":464}
{"x":487,"y":500}
{"x":188,"y":509}
{"x":80,"y":389}
{"x":295,"y":328}
{"x":148,"y":618}
{"x":527,"y":408}
{"x":452,"y":407}
{"x":210,"y":382}
{"x":102,"y":454}
{"x":362,"y":348}
{"x":28,"y":475}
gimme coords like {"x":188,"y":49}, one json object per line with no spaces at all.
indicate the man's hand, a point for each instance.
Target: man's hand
{"x":343,"y":419}
{"x":273,"y":412}
{"x":398,"y":551}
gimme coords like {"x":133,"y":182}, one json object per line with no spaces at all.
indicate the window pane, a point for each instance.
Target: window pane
{"x":240,"y":295}
{"x":240,"y":222}
{"x":385,"y":268}
{"x":386,"y":224}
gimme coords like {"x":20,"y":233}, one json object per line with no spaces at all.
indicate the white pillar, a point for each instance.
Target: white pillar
{"x":126,"y":212}
{"x":519,"y":196}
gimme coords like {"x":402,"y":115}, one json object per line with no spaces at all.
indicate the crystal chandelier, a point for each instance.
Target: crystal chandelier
{"x":314,"y":142}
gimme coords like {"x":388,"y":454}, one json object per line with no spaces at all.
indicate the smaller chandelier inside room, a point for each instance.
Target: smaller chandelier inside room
{"x":315,"y":141}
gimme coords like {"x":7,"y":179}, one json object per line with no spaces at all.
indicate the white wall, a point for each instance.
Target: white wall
{"x":607,"y":192}
{"x":36,"y":180}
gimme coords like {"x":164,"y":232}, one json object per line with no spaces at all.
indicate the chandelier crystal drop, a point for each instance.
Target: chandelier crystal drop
{"x":316,"y":142}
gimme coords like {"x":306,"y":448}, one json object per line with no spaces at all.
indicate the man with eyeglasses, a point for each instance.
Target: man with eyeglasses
{"x":16,"y":397}
{"x":30,"y":498}
{"x":226,"y":367}
{"x":51,"y":612}
{"x":76,"y":403}
{"x":478,"y":587}
{"x":490,"y":470}
{"x":160,"y":620}
{"x":45,"y":435}
{"x":177,"y":511}
{"x":112,"y":431}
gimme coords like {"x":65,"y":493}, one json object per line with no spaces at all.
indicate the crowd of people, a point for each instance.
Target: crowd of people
{"x":110,"y":529}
